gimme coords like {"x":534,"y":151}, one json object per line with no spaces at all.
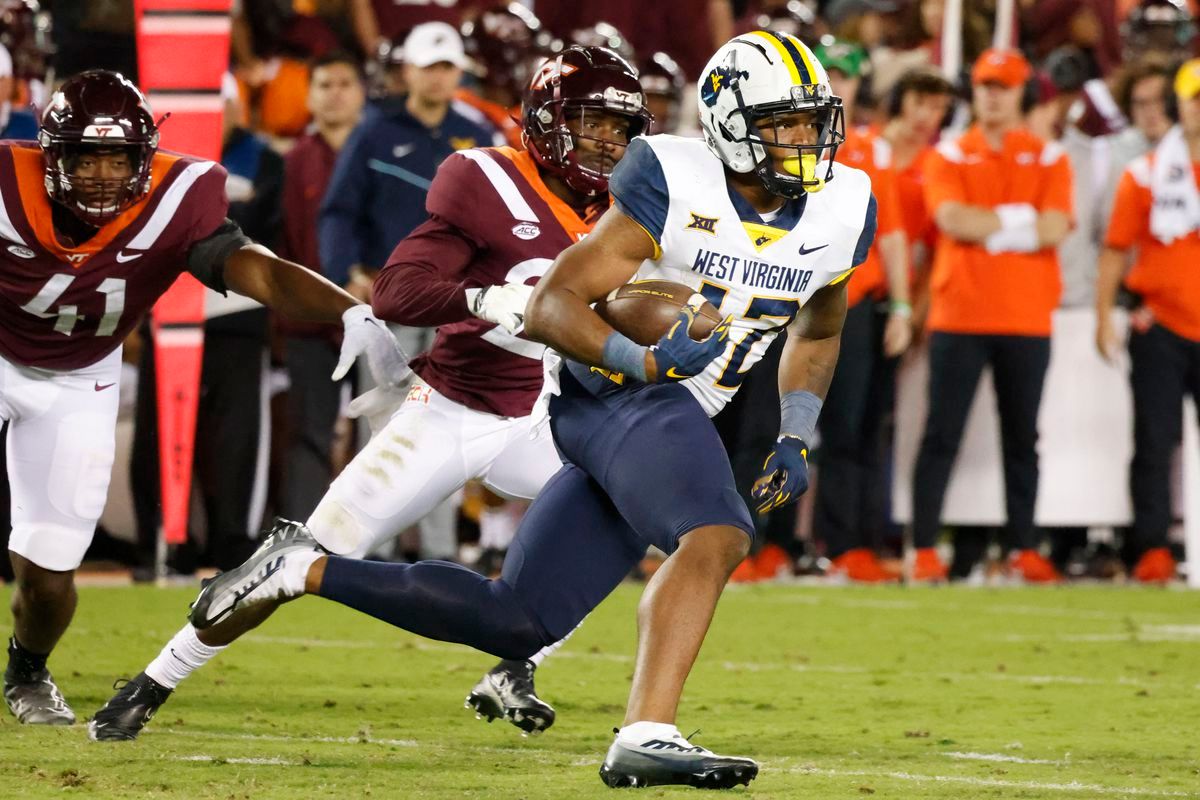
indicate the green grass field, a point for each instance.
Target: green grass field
{"x":840,"y":693}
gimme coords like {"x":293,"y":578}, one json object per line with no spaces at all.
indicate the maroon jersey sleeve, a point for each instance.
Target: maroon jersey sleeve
{"x":203,"y":213}
{"x":425,"y":280}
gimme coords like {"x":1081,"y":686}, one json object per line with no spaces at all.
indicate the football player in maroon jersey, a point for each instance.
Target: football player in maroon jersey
{"x":498,"y":218}
{"x":95,"y":224}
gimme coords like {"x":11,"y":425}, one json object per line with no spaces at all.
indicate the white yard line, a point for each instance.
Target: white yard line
{"x":550,"y":757}
{"x":1000,"y":757}
{"x":738,"y":666}
{"x":1072,"y":786}
{"x":270,"y":762}
{"x":271,"y":737}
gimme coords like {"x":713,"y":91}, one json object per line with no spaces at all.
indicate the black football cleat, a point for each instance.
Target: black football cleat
{"x":506,"y":692}
{"x":673,"y":762}
{"x":37,"y":701}
{"x":128,"y":711}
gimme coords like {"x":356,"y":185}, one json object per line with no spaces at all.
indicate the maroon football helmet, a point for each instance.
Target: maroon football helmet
{"x":663,"y":82}
{"x":1166,"y":27}
{"x":506,"y":42}
{"x":578,"y":81}
{"x":94,"y":111}
{"x":25,"y":31}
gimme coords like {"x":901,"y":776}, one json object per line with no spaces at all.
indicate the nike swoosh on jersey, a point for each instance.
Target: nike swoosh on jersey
{"x":99,"y":387}
{"x":122,"y":258}
{"x":673,"y":375}
{"x":805,"y":251}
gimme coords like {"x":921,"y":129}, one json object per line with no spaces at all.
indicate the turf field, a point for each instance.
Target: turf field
{"x":840,"y":693}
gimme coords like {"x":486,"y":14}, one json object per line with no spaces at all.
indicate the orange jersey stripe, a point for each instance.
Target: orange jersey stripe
{"x":29,"y":168}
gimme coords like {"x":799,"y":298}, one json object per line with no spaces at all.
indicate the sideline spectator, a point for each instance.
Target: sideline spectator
{"x":335,"y":99}
{"x":850,"y":505}
{"x":1001,"y":199}
{"x":1157,"y":211}
{"x":917,"y":106}
{"x":377,"y":193}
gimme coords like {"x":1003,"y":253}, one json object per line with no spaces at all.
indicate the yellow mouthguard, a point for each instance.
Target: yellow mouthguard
{"x":805,"y":167}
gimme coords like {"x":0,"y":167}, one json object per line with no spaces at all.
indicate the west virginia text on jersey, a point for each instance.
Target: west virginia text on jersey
{"x":759,"y":270}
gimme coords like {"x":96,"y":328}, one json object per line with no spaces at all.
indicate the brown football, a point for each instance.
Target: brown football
{"x":645,"y":310}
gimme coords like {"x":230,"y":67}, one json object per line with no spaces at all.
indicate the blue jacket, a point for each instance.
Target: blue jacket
{"x":376,"y":196}
{"x":21,"y":125}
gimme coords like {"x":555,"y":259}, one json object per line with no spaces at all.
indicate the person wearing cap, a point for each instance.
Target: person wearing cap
{"x":377,"y":192}
{"x":1001,"y":199}
{"x":376,"y":196}
{"x":917,"y":105}
{"x":1156,"y":214}
{"x":850,"y":500}
{"x":14,"y":123}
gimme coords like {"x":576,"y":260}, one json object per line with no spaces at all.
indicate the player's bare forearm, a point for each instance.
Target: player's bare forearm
{"x":965,"y":222}
{"x":1052,"y":227}
{"x":288,"y":288}
{"x":814,"y":339}
{"x":1108,"y":282}
{"x":559,"y":313}
{"x":894,"y":248}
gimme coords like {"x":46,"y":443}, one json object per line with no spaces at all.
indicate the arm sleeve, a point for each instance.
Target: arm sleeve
{"x":867,"y":237}
{"x":1130,"y":220}
{"x":454,"y":194}
{"x":339,"y":226}
{"x":639,"y":189}
{"x":206,"y":257}
{"x":423,"y":284}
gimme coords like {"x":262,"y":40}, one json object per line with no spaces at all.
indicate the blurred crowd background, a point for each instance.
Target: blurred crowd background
{"x":337,"y":113}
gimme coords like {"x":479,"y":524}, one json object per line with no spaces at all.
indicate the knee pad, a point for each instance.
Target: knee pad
{"x":339,"y":531}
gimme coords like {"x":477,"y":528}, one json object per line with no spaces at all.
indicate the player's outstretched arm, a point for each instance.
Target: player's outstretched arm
{"x":299,"y":293}
{"x":559,"y":313}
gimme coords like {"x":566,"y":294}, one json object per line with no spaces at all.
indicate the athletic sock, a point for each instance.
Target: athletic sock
{"x":639,"y":732}
{"x":23,"y":665}
{"x":182,"y":656}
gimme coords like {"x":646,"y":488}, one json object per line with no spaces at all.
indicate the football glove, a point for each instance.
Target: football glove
{"x":503,"y":305}
{"x":377,"y":406}
{"x":678,"y":356}
{"x":784,"y":475}
{"x":365,"y":334}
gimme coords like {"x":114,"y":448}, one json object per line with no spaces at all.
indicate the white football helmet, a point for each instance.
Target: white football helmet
{"x":762,"y":74}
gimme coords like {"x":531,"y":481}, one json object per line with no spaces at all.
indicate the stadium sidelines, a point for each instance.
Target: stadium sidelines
{"x":770,"y":764}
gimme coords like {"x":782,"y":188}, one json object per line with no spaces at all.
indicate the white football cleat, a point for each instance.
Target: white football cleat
{"x":265,"y":576}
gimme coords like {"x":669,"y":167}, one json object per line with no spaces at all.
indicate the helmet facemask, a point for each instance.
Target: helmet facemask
{"x":803,"y":164}
{"x":94,"y":200}
{"x":558,"y":148}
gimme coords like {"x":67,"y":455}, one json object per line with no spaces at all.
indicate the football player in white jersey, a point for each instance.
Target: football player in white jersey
{"x":762,"y":222}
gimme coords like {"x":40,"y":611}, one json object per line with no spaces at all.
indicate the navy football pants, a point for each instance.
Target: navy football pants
{"x":645,"y":466}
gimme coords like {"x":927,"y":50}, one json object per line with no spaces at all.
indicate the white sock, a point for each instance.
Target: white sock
{"x":182,"y":656}
{"x":294,"y":574}
{"x":640,"y":732}
{"x":540,"y":656}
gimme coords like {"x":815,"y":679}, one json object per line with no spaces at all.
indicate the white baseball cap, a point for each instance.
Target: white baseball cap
{"x":432,"y":43}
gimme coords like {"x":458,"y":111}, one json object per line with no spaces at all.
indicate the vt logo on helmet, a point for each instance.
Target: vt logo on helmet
{"x":94,"y":115}
{"x":765,"y":100}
